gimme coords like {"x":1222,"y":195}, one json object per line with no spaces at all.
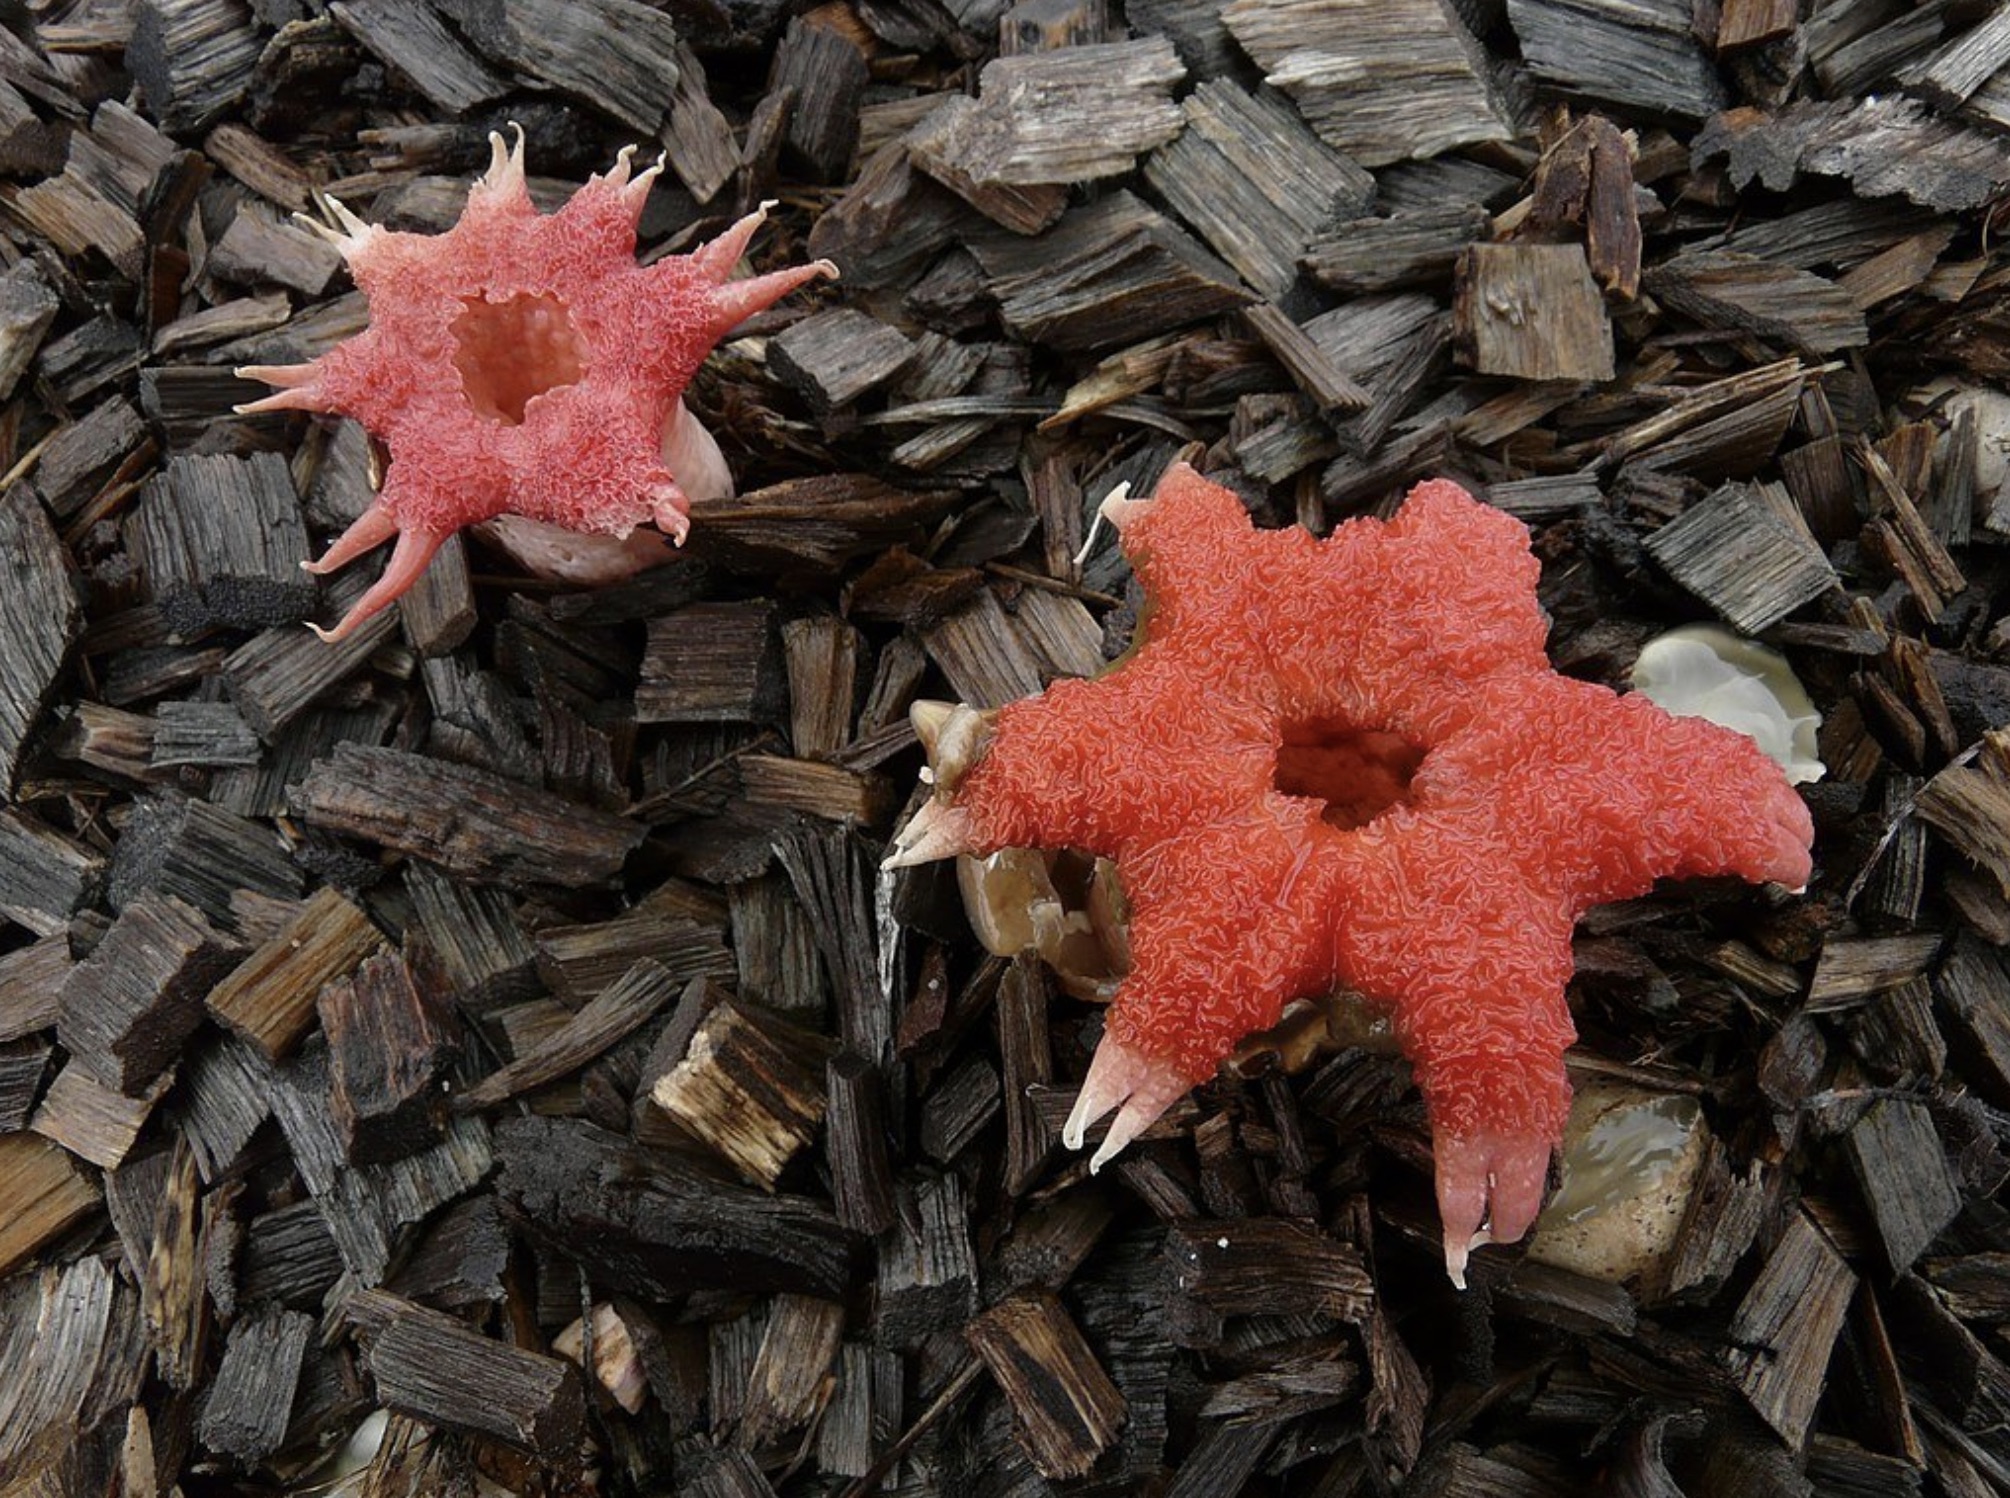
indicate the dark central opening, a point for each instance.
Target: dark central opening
{"x":508,"y":352}
{"x":1358,"y":772}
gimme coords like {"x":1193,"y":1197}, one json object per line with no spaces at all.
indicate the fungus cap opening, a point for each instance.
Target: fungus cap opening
{"x":511,"y":351}
{"x":1359,"y":773}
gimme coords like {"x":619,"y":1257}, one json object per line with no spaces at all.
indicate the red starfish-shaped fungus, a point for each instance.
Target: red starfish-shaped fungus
{"x":1348,"y":761}
{"x":523,"y":364}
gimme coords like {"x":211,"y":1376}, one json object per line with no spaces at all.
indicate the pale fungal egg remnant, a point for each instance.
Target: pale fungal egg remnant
{"x":1706,"y":671}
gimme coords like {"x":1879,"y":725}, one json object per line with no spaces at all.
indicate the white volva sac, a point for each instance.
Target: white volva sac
{"x":1704,"y":671}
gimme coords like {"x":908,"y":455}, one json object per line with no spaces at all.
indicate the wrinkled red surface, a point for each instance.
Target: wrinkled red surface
{"x":522,"y":363}
{"x":1536,"y":797}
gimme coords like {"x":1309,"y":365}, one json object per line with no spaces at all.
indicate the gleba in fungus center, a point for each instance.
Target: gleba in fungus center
{"x":521,"y":368}
{"x":1348,"y":762}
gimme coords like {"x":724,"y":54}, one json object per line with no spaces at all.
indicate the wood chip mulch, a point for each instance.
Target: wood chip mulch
{"x":484,"y":1056}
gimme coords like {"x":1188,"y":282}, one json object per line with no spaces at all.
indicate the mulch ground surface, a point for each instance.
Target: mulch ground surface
{"x":485,"y":1055}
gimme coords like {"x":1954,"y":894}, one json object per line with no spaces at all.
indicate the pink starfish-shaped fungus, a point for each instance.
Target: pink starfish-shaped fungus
{"x":1348,"y":761}
{"x":522,"y":364}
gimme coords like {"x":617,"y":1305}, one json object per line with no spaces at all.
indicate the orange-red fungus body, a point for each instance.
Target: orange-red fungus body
{"x":522,"y":364}
{"x":1246,"y":768}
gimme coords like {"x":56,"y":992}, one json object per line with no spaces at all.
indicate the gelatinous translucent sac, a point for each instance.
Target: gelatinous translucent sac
{"x":523,"y":364}
{"x":1348,"y":761}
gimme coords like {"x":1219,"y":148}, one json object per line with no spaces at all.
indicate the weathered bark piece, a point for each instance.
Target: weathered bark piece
{"x":269,"y":998}
{"x":75,"y":1355}
{"x":260,"y":166}
{"x":415,"y":43}
{"x":277,"y":675}
{"x":1047,"y":25}
{"x":816,"y":788}
{"x":1330,"y":386}
{"x":1726,"y":428}
{"x":1028,"y":1063}
{"x":1071,"y":115}
{"x":1410,"y":248}
{"x":1747,"y":556}
{"x":787,"y":1386}
{"x":94,"y":354}
{"x":213,"y":735}
{"x":619,"y":1010}
{"x":31,"y":985}
{"x":83,"y":455}
{"x":40,"y":621}
{"x":579,"y":962}
{"x":91,"y":1120}
{"x":1531,"y":311}
{"x":461,"y":1259}
{"x":477,"y":937}
{"x":987,"y":661}
{"x":1850,"y":968}
{"x":46,"y":1193}
{"x":775,"y":949}
{"x":1899,"y":1162}
{"x":199,"y":853}
{"x":1775,"y":302}
{"x":1116,"y":272}
{"x":221,"y":540}
{"x":836,"y":357}
{"x":432,"y":1367}
{"x":1961,"y":67}
{"x":27,"y":309}
{"x":77,"y":218}
{"x":46,"y":877}
{"x":222,"y":1104}
{"x":1379,"y":81}
{"x":750,"y":1085}
{"x":389,"y":1040}
{"x":1746,"y":23}
{"x":696,"y":135}
{"x":823,"y":653}
{"x":128,"y":1008}
{"x":220,"y":324}
{"x":193,"y":58}
{"x":641,"y":1220}
{"x":1965,"y":1381}
{"x":927,"y":1269}
{"x":861,"y":1172}
{"x":891,"y":221}
{"x":1064,"y":1407}
{"x":1645,"y":54}
{"x":823,"y":75}
{"x":834,"y":879}
{"x":1268,"y":1266}
{"x":813,"y":525}
{"x":619,"y":56}
{"x":1969,"y":805}
{"x":368,"y":1207}
{"x":712,"y":663}
{"x":439,"y":613}
{"x":1255,"y":182}
{"x":1883,"y":145}
{"x":469,"y":822}
{"x":1973,"y":986}
{"x":245,"y":1412}
{"x":23,"y":1065}
{"x":959,"y":1105}
{"x":863,"y":1416}
{"x":1786,"y":1326}
{"x":260,"y":246}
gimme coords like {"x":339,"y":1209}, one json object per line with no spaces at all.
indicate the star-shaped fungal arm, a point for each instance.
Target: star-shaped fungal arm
{"x":1349,"y":761}
{"x":522,"y":364}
